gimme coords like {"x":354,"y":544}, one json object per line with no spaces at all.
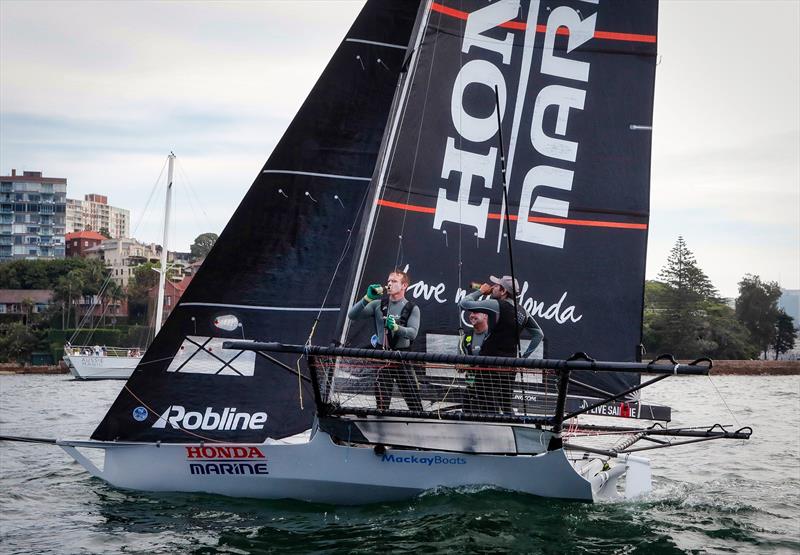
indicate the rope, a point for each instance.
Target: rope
{"x":723,"y":400}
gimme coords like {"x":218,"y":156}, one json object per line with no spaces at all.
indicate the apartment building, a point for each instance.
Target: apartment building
{"x":32,"y":216}
{"x":93,"y":213}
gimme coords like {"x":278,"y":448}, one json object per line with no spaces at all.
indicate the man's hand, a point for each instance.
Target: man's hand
{"x":391,"y":324}
{"x":485,"y":289}
{"x":374,"y":292}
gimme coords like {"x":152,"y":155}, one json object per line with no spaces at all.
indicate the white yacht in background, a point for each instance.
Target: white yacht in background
{"x":114,"y":363}
{"x":101,"y":363}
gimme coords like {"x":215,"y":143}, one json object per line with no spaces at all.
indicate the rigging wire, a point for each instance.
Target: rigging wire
{"x":342,"y":256}
{"x":191,"y":191}
{"x":370,"y":233}
{"x":398,"y":260}
{"x":724,"y":402}
{"x":153,"y":190}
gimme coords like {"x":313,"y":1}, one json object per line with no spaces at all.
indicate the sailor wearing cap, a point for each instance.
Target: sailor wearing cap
{"x":502,"y":337}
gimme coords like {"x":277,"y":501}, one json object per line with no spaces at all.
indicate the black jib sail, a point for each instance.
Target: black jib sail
{"x":575,"y":84}
{"x":273,"y":270}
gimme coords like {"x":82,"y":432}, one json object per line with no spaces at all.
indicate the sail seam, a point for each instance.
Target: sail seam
{"x":277,"y":308}
{"x":376,"y":43}
{"x":314,"y":174}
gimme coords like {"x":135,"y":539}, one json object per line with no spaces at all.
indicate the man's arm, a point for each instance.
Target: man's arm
{"x":410,"y":330}
{"x":473,"y":303}
{"x":537,"y":335}
{"x":363,"y":309}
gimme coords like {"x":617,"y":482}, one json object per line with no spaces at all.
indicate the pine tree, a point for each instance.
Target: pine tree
{"x":684,"y":315}
{"x":684,"y":275}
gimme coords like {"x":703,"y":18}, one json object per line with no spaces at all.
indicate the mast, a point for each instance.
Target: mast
{"x":383,"y":164}
{"x":162,"y":274}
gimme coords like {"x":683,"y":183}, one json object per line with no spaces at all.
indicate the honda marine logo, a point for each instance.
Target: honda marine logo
{"x":179,"y":418}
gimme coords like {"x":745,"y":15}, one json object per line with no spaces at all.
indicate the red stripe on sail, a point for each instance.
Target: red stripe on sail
{"x":521,"y":26}
{"x":408,"y":207}
{"x":537,"y":219}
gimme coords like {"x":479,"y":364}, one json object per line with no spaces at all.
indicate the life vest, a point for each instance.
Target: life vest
{"x":502,"y":338}
{"x":466,"y":344}
{"x":402,"y":320}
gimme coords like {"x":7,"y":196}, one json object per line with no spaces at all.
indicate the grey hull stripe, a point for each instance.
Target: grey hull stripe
{"x":386,"y":44}
{"x":251,"y":307}
{"x":312,"y":174}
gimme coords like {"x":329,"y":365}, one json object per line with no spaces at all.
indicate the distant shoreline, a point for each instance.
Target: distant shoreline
{"x":720,"y":368}
{"x":756,"y":368}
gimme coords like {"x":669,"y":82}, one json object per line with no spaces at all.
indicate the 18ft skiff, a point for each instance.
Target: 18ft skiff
{"x":441,"y":137}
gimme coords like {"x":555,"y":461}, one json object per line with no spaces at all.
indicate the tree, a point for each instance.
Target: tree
{"x":724,"y":335}
{"x":785,"y":334}
{"x":27,"y":305}
{"x":202,"y":245}
{"x":682,"y":273}
{"x":114,"y":294}
{"x":678,"y":308}
{"x":757,"y":309}
{"x":68,"y":290}
{"x":105,"y":233}
{"x":17,"y":342}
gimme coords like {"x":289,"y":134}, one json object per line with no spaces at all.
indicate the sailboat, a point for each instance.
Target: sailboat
{"x":86,"y":362}
{"x":444,"y":139}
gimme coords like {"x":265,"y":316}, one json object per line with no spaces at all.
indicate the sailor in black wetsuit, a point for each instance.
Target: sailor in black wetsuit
{"x":502,"y":337}
{"x":396,"y":325}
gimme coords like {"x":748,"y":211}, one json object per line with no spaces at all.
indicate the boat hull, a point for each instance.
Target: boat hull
{"x":321,"y":471}
{"x":94,"y":367}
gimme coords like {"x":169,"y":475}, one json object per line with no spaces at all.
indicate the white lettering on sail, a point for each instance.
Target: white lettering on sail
{"x":534,"y":232}
{"x":564,"y":98}
{"x":550,"y":143}
{"x":488,"y":75}
{"x":475,"y":129}
{"x":558,"y":311}
{"x":579,"y":32}
{"x":486,"y":18}
{"x":421,"y":289}
{"x":469,"y":165}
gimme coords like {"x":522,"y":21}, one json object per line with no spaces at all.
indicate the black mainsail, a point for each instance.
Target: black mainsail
{"x":576,"y":86}
{"x":273,"y":270}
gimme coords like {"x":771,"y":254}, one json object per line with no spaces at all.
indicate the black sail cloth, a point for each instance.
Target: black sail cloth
{"x":272,"y":264}
{"x":576,"y":85}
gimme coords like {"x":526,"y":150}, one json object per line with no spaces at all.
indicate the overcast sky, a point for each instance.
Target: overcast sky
{"x":100,"y":92}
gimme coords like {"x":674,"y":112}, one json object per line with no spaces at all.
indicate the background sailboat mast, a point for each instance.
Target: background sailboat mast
{"x":162,"y":275}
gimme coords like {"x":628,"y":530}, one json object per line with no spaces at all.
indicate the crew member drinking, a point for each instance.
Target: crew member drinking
{"x":396,"y":325}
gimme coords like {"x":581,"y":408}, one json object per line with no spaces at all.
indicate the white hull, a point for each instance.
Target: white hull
{"x":323,"y":472}
{"x":94,"y":367}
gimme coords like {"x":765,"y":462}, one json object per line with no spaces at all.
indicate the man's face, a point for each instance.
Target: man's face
{"x":497,"y":292}
{"x":394,"y":284}
{"x":478,"y":320}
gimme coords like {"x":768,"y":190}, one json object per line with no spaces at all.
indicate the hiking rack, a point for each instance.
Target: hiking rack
{"x":347,"y":381}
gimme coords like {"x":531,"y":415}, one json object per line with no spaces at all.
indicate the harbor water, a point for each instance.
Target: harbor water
{"x":712,"y":497}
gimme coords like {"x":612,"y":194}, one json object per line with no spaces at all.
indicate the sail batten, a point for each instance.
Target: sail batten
{"x":572,"y":80}
{"x":273,"y":272}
